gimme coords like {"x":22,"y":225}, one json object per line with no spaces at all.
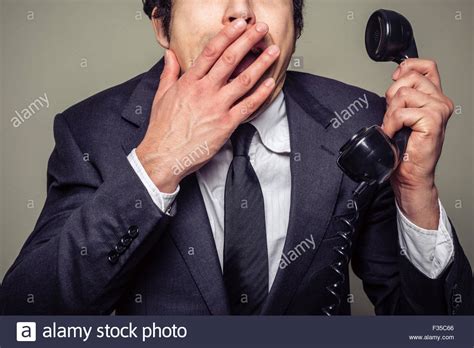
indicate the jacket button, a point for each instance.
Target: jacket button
{"x":119,"y":248}
{"x":126,"y":240}
{"x":133,"y":231}
{"x":113,"y":257}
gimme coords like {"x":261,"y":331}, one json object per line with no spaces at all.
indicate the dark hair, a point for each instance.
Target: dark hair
{"x":164,"y":13}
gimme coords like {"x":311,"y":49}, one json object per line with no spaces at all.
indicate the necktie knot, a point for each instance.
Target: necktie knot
{"x":241,"y":139}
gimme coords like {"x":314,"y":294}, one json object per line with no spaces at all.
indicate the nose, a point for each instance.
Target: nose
{"x":239,"y":9}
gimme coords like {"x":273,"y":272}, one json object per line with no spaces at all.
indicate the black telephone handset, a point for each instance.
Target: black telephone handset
{"x":370,"y":155}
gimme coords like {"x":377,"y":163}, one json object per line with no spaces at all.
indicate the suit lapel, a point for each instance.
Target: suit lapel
{"x":190,"y":228}
{"x":315,"y":180}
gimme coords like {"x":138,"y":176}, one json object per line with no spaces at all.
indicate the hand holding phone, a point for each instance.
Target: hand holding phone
{"x":370,"y":155}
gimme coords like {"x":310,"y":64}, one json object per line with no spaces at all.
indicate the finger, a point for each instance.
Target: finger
{"x":413,"y":79}
{"x":399,"y":118}
{"x":411,"y":98}
{"x":244,"y":109}
{"x":169,"y":75}
{"x":425,"y":67}
{"x":215,"y":47}
{"x":408,"y":98}
{"x":233,"y":55}
{"x":248,"y":78}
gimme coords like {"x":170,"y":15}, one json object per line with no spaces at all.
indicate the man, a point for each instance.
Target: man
{"x":211,"y":185}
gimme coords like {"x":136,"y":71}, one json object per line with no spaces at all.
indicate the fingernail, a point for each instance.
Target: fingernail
{"x":240,"y":23}
{"x":270,"y":82}
{"x":273,"y":50}
{"x":261,"y":27}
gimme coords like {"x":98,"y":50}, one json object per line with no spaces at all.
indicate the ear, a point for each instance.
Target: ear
{"x":159,"y":30}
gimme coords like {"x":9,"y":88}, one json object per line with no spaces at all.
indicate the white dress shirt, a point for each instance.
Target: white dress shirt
{"x":429,"y":251}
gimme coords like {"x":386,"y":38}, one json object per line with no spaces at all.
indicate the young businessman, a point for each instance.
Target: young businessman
{"x":212,"y":185}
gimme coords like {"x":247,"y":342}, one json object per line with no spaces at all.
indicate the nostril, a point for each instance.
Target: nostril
{"x":247,"y":19}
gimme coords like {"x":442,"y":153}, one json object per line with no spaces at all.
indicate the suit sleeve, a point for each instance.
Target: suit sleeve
{"x":393,"y":284}
{"x":91,"y":234}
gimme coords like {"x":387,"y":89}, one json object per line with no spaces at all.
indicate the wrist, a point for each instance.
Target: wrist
{"x":419,"y":203}
{"x":157,"y":170}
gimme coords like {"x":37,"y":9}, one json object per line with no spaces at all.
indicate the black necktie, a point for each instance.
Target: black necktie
{"x":245,"y":242}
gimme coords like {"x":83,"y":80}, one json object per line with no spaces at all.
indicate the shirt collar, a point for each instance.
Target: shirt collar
{"x":272,"y":126}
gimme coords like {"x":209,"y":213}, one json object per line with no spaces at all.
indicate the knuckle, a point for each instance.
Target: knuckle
{"x":244,"y":79}
{"x":250,"y":104}
{"x":210,"y":51}
{"x":244,"y":110}
{"x":229,"y":58}
{"x":450,"y":106}
{"x":446,"y":109}
{"x":403,"y":91}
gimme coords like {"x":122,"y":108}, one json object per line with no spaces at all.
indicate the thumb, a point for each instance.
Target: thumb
{"x":169,"y":75}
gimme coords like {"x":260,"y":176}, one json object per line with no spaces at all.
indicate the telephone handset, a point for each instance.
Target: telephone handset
{"x":370,"y":156}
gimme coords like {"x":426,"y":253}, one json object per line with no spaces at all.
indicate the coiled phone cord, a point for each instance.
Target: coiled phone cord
{"x":344,"y":252}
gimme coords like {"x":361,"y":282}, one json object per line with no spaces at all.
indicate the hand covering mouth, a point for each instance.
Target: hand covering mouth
{"x":248,"y":59}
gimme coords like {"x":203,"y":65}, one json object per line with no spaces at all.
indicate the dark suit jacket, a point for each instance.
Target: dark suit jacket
{"x":169,"y":265}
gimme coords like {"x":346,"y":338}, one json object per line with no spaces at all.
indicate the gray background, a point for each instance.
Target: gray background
{"x":44,"y":55}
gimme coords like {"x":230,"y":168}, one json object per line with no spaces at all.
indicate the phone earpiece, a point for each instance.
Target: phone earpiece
{"x":389,"y":37}
{"x":371,"y":156}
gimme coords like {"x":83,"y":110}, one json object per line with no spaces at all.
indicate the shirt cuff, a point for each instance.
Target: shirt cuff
{"x":164,"y":201}
{"x":430,"y":251}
